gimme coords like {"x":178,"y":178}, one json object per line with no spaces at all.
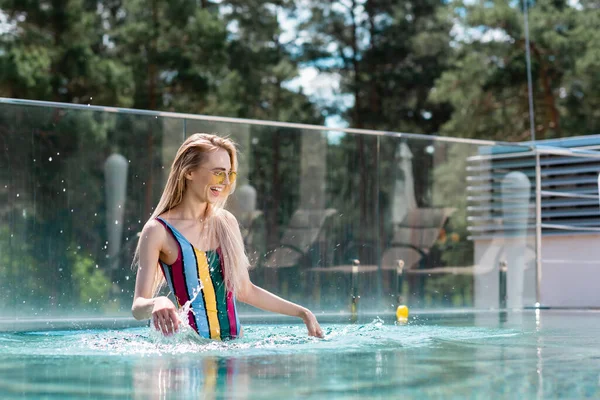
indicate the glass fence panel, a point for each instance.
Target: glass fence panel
{"x":339,"y":222}
{"x":77,"y":187}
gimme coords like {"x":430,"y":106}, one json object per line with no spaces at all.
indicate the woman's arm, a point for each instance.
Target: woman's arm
{"x":260,"y":298}
{"x":251,"y":294}
{"x":161,"y":309}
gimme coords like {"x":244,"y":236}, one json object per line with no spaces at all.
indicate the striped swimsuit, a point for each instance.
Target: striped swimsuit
{"x":199,"y":276}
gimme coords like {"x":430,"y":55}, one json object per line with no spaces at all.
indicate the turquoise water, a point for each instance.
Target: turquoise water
{"x":516,"y":355}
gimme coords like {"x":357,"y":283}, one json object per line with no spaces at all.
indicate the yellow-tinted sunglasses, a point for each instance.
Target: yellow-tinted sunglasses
{"x":220,"y":176}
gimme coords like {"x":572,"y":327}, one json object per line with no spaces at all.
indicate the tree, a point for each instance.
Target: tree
{"x":487,"y":82}
{"x":55,"y":51}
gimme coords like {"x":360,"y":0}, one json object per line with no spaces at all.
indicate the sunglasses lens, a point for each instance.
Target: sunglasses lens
{"x":219,"y":178}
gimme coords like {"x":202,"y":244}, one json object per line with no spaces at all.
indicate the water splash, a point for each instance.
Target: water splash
{"x":257,"y":340}
{"x":183,"y":312}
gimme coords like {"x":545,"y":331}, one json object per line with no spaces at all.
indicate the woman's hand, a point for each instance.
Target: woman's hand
{"x":164,"y":316}
{"x":311,"y":324}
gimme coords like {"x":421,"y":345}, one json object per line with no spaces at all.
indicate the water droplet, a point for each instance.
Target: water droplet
{"x":49,"y":158}
{"x":58,"y":154}
{"x":60,"y":270}
{"x":90,"y":300}
{"x":116,"y":222}
{"x":64,"y":189}
{"x":96,"y":265}
{"x":18,"y":194}
{"x":61,"y":231}
{"x":95,"y":214}
{"x":23,"y":301}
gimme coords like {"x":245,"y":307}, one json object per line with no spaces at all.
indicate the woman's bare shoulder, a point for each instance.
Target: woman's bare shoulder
{"x":154,"y":231}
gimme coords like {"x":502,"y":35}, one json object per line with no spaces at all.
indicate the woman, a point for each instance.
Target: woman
{"x":196,"y":245}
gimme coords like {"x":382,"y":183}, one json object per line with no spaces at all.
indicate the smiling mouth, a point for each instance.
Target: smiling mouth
{"x":216,"y":191}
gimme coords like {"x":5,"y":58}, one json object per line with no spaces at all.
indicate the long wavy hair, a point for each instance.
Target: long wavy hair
{"x":222,"y":225}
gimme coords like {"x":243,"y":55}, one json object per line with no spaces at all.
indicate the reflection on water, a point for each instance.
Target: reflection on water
{"x":514,"y":355}
{"x":211,"y":376}
{"x":216,"y":377}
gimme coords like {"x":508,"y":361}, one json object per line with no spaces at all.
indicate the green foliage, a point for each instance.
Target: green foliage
{"x":486,"y":82}
{"x":17,"y":265}
{"x":55,"y":51}
{"x":91,"y":285}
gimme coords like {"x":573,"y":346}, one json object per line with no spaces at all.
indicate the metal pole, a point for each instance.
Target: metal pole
{"x":503,"y":269}
{"x":538,"y":229}
{"x":529,"y":79}
{"x":538,"y":178}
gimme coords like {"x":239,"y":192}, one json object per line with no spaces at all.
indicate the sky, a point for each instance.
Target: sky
{"x":4,"y":26}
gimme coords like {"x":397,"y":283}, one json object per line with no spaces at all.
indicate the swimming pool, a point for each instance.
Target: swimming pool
{"x":528,"y":354}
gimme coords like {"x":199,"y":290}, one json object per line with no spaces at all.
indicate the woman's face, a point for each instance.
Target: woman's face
{"x":212,"y":179}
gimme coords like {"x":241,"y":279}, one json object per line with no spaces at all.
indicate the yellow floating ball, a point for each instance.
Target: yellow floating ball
{"x":402,"y":313}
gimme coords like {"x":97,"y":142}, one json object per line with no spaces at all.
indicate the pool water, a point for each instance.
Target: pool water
{"x":537,"y":355}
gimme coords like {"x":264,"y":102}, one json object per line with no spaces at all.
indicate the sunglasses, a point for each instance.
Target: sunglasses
{"x":220,"y":176}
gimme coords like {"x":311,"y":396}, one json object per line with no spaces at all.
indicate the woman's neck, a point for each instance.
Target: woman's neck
{"x":190,"y":209}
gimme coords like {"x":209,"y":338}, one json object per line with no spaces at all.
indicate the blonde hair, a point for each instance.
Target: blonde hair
{"x":221,"y":223}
